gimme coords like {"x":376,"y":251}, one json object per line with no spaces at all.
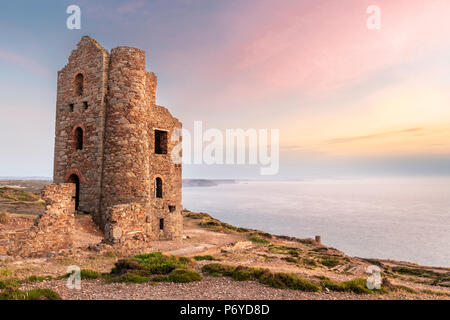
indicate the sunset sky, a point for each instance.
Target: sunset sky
{"x":348,"y":101}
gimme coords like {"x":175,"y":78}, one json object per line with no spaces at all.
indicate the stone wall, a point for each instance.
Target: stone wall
{"x":127,"y":222}
{"x":126,"y":165}
{"x":52,"y":231}
{"x":92,"y":61}
{"x":162,"y":166}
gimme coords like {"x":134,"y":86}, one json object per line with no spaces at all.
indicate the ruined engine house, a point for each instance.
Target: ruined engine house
{"x":114,"y":143}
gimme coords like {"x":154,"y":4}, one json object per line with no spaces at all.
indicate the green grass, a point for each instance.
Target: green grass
{"x":34,"y":294}
{"x":18,"y":195}
{"x":85,"y":274}
{"x":308,"y":262}
{"x":197,"y":215}
{"x":160,"y":278}
{"x":218,"y":269}
{"x":210,"y":223}
{"x":9,"y":283}
{"x":255,"y":238}
{"x":276,"y":280}
{"x":416,"y":272}
{"x":357,"y":286}
{"x":5,"y":273}
{"x":32,"y":279}
{"x":207,"y":258}
{"x":330,"y":261}
{"x":130,"y":277}
{"x":290,"y":259}
{"x":279,"y":249}
{"x":288,"y":281}
{"x":89,"y":274}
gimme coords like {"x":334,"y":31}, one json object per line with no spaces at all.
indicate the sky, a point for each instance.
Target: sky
{"x":348,"y":101}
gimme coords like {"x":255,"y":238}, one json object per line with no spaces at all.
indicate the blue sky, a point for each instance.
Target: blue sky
{"x":348,"y":101}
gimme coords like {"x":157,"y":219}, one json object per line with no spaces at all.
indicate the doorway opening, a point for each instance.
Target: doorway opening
{"x":76,"y":180}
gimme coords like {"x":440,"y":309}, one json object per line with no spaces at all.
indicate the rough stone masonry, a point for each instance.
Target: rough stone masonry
{"x":113,"y":142}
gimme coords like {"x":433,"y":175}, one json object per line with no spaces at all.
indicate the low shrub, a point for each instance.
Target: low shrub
{"x":196,"y":215}
{"x":140,"y":268}
{"x":288,"y":281}
{"x":218,"y":269}
{"x":309,"y":262}
{"x":264,"y":234}
{"x":184,"y":276}
{"x":9,"y":283}
{"x":306,"y":241}
{"x":242,"y":274}
{"x":34,"y":294}
{"x":290,"y":259}
{"x":33,"y":278}
{"x":358,"y":286}
{"x":416,"y":272}
{"x":160,"y":278}
{"x":130,"y":278}
{"x":330,"y":261}
{"x":89,"y":274}
{"x":333,"y":285}
{"x":264,"y":276}
{"x":279,"y":249}
{"x":151,"y":263}
{"x":207,"y":258}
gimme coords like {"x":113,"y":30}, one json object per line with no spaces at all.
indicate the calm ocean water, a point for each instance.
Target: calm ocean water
{"x":402,"y":219}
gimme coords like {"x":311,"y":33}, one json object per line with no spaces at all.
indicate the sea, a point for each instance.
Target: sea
{"x":405,"y":219}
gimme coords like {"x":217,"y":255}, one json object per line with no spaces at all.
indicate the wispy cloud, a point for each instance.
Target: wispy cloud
{"x":374,"y":136}
{"x":23,"y":62}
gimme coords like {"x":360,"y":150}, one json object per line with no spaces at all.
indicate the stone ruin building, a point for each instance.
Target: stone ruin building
{"x":114,"y":143}
{"x":113,"y":156}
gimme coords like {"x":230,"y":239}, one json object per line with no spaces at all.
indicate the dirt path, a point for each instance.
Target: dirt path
{"x":210,"y":288}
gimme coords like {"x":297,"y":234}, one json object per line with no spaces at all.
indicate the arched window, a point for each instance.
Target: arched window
{"x":78,"y":137}
{"x":79,"y":83}
{"x":158,"y":188}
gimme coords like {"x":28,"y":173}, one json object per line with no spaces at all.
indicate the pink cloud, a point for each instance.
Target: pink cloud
{"x":24,"y":62}
{"x":326,"y":45}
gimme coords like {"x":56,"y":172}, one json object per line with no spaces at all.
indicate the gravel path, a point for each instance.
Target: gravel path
{"x":210,"y":288}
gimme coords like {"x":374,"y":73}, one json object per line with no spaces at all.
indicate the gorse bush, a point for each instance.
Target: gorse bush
{"x":157,"y":263}
{"x":155,"y":267}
